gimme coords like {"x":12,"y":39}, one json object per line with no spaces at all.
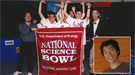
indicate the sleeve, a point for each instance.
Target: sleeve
{"x":34,"y":25}
{"x":24,"y":30}
{"x":39,"y":25}
{"x":83,"y":14}
{"x":43,"y":21}
{"x":70,"y":20}
{"x":86,"y":22}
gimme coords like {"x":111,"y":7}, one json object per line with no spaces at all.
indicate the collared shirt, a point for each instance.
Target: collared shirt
{"x":95,"y":25}
{"x":26,"y":34}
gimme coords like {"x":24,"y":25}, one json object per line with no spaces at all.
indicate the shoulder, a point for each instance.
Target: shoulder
{"x":125,"y":64}
{"x":21,"y":24}
{"x":107,"y":70}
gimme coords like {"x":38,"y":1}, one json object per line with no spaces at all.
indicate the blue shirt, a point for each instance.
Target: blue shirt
{"x":26,"y":34}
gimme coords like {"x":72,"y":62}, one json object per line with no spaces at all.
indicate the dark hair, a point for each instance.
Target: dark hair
{"x":26,"y":13}
{"x":51,"y":13}
{"x":96,"y":9}
{"x":110,"y":42}
{"x":78,"y":10}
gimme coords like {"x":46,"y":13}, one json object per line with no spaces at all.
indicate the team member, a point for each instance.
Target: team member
{"x":72,"y":12}
{"x":44,"y":22}
{"x":111,"y":51}
{"x":28,"y":46}
{"x":78,"y":22}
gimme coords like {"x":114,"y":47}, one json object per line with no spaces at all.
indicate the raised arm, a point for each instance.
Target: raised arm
{"x":88,"y":11}
{"x":65,"y":8}
{"x":83,"y":8}
{"x":57,"y":15}
{"x":60,"y":11}
{"x":73,"y":9}
{"x":39,"y":9}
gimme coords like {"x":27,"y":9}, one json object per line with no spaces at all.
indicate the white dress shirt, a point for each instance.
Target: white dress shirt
{"x":95,"y":25}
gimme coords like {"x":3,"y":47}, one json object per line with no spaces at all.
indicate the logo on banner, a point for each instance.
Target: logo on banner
{"x":9,"y":42}
{"x":58,"y":47}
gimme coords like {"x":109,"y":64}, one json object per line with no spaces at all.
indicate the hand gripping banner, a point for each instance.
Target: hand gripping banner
{"x":59,"y":51}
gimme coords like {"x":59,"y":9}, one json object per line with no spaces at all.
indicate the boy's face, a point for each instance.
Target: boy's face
{"x":110,"y":53}
{"x":51,"y":17}
{"x":71,"y":14}
{"x":78,"y":15}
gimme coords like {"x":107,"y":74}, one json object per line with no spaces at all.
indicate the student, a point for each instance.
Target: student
{"x":78,"y":22}
{"x":111,"y":51}
{"x":44,"y":22}
{"x":72,"y":12}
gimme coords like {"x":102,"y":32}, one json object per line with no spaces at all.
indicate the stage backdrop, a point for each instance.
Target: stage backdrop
{"x":59,"y":51}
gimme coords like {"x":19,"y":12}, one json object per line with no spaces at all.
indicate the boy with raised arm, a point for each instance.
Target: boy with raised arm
{"x":78,"y":22}
{"x":44,"y":22}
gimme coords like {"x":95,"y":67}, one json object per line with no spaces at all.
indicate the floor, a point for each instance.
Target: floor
{"x":8,"y":68}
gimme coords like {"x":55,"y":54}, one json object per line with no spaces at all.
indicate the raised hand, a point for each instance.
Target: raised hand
{"x":62,"y":2}
{"x":67,"y":2}
{"x":58,"y":5}
{"x":43,"y":1}
{"x":73,"y":8}
{"x":88,"y":4}
{"x":82,"y":2}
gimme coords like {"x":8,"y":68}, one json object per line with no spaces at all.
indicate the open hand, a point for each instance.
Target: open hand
{"x":82,"y":2}
{"x":43,"y":1}
{"x":88,"y":4}
{"x":67,"y":2}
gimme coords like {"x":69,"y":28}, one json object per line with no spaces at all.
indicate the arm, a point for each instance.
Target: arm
{"x":88,"y":11}
{"x":83,"y":8}
{"x":65,"y":8}
{"x":57,"y":15}
{"x":39,"y":9}
{"x":73,"y":9}
{"x":60,"y":11}
{"x":24,"y":31}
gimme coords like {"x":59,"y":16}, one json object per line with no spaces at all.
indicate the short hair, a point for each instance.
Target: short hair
{"x":78,"y":10}
{"x":110,"y":42}
{"x":26,"y":13}
{"x":96,"y":9}
{"x":48,"y":12}
{"x":51,"y":13}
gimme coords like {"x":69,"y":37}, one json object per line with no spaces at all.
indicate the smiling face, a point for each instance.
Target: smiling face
{"x":51,"y":18}
{"x":27,"y":17}
{"x":78,"y":15}
{"x":110,"y":53}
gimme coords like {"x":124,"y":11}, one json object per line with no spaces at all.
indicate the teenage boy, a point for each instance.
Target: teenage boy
{"x":111,"y":51}
{"x":78,"y":22}
{"x":44,"y":22}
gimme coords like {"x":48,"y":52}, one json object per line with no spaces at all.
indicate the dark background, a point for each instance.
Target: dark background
{"x":120,"y":17}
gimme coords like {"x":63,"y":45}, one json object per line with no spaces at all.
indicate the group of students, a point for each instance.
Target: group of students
{"x":73,"y":19}
{"x":63,"y":20}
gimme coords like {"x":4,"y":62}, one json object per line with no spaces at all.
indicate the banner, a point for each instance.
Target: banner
{"x":59,"y":51}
